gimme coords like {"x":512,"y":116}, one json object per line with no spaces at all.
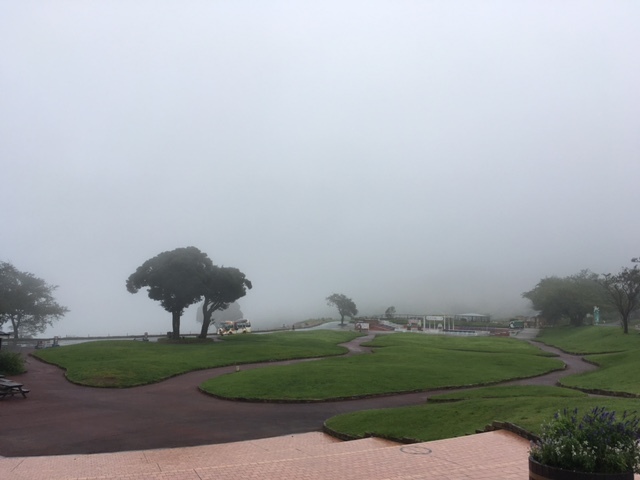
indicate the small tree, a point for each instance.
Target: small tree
{"x":623,"y":291}
{"x":175,"y":278}
{"x":390,"y":312}
{"x":346,"y":306}
{"x":222,"y":286}
{"x":27,"y":302}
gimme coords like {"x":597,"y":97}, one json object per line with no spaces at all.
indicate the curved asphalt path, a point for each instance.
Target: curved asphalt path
{"x":59,"y":417}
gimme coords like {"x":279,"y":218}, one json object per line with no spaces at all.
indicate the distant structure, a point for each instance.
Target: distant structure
{"x":441,"y":324}
{"x":472,"y":317}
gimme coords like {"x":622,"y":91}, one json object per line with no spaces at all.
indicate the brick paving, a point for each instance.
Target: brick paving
{"x":311,"y":456}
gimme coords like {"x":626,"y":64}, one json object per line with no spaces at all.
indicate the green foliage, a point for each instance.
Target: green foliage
{"x":528,"y":409}
{"x":182,"y":277}
{"x":597,"y":442}
{"x":222,"y":287}
{"x":623,"y":292}
{"x":127,"y":363}
{"x":569,"y":297}
{"x":174,"y":278}
{"x":401,"y":363}
{"x":26,"y":302}
{"x":11,"y":363}
{"x":346,"y":307}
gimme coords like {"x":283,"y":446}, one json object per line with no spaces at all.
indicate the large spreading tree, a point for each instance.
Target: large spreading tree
{"x":346,"y":307}
{"x":175,"y":278}
{"x":623,"y":292}
{"x":222,"y":287}
{"x":26,"y":302}
{"x":570,"y":298}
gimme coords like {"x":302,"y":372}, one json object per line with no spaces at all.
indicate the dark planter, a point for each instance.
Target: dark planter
{"x":537,"y":471}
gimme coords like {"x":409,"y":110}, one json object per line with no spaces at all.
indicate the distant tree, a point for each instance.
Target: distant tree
{"x":175,"y":278}
{"x":345,"y":306}
{"x":222,"y":286}
{"x":390,"y":312}
{"x":570,"y":297}
{"x":623,"y":292}
{"x":26,"y":302}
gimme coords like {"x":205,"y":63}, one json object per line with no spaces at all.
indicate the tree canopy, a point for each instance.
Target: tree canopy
{"x":175,"y":278}
{"x":623,"y":292}
{"x":184,"y":276}
{"x":346,"y":306}
{"x":222,"y":286}
{"x":26,"y":302}
{"x":569,"y":298}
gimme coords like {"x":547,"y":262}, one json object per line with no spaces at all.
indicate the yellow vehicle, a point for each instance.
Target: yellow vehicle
{"x":231,"y":328}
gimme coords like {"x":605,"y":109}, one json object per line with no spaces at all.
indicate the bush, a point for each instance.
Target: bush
{"x":596,"y":443}
{"x":11,"y":363}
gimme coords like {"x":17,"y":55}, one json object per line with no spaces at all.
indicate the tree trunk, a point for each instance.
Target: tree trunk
{"x":625,"y":324}
{"x":206,"y":321}
{"x":341,"y":320}
{"x":175,"y":317}
{"x":15,"y":323}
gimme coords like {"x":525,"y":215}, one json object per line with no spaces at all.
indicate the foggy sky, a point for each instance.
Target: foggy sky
{"x":441,"y":157}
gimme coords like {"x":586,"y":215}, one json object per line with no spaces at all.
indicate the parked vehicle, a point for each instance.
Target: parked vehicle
{"x":231,"y":328}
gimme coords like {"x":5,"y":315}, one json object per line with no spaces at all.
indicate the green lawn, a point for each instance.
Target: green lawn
{"x":618,"y":371}
{"x":526,"y":407}
{"x":400,"y":363}
{"x":128,"y":363}
{"x":591,"y":339}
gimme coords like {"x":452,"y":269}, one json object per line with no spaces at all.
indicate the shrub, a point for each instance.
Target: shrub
{"x":596,"y":443}
{"x":11,"y":363}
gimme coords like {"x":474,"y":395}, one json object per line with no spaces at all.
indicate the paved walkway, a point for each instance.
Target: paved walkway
{"x":48,"y":436}
{"x":311,"y":456}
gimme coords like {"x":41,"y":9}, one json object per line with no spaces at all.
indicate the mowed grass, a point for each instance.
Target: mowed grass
{"x":590,"y":339}
{"x":128,"y":363}
{"x":618,"y":372}
{"x":528,"y":407}
{"x":399,"y":363}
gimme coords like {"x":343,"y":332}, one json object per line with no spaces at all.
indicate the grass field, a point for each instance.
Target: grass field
{"x":618,"y":371}
{"x":526,"y":407}
{"x":591,"y":339}
{"x":400,"y":363}
{"x":128,"y":363}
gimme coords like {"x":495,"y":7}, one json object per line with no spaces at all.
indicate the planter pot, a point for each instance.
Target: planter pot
{"x":537,"y":471}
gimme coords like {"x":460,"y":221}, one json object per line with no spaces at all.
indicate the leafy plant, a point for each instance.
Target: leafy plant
{"x":596,"y":443}
{"x":11,"y":363}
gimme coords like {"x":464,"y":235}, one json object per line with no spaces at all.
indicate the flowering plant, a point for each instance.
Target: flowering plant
{"x":596,"y":443}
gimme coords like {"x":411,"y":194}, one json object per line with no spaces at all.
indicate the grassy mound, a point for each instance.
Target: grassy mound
{"x":400,"y":363}
{"x":526,"y":407}
{"x":617,"y":355}
{"x":127,"y":363}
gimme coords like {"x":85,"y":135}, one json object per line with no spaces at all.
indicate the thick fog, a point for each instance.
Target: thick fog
{"x":437,"y":156}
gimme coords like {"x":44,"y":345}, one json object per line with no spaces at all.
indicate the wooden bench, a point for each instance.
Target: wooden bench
{"x":7,"y":387}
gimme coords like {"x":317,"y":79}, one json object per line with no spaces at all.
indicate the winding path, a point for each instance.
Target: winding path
{"x":62,"y":418}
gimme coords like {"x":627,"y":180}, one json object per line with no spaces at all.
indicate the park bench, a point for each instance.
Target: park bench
{"x":8,"y":387}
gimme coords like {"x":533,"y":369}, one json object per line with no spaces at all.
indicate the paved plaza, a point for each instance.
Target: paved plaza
{"x":310,"y":456}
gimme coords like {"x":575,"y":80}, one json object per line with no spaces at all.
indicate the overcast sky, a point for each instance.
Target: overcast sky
{"x":438,"y":156}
